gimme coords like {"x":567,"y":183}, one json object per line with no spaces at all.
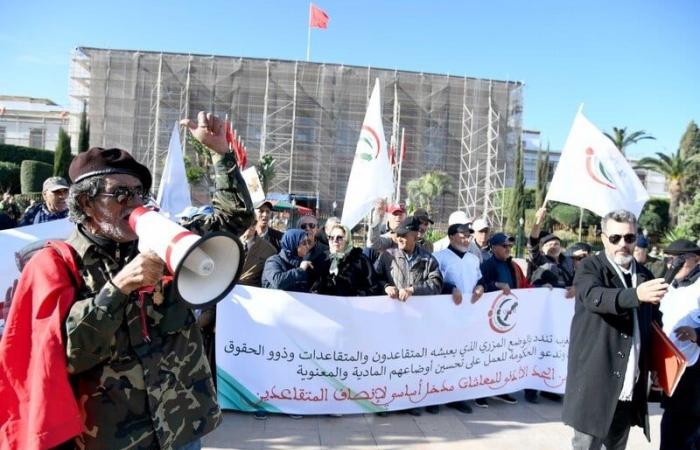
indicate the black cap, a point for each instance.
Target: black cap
{"x":549,"y":237}
{"x":500,"y":239}
{"x":682,"y":246}
{"x":409,"y":224}
{"x":422,"y":214}
{"x":459,"y":228}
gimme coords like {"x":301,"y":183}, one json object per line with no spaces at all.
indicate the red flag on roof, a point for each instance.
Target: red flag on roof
{"x":318,"y":17}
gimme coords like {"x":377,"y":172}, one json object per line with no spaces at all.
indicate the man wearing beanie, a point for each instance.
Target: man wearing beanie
{"x":133,"y":352}
{"x":547,"y":263}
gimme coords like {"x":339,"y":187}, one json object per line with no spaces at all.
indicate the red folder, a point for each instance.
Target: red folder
{"x":668,"y":362}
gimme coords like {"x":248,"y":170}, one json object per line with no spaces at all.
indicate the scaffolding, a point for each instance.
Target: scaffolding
{"x":307,"y":116}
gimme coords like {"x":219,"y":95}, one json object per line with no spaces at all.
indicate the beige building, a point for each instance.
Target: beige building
{"x":31,"y":122}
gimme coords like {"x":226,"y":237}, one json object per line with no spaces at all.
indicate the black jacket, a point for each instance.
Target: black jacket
{"x":600,"y":345}
{"x":356,"y":277}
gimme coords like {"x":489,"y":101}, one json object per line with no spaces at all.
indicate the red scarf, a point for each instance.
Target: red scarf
{"x":37,"y":407}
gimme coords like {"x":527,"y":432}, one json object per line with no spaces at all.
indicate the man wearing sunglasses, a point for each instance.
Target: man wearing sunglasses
{"x":608,"y":368}
{"x":133,"y":352}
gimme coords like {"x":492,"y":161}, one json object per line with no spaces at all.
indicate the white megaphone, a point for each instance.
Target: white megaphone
{"x":205,"y":268}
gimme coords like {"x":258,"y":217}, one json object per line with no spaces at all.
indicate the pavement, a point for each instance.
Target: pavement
{"x":498,"y":427}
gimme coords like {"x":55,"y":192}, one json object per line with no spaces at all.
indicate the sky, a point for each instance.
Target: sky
{"x":633,"y":64}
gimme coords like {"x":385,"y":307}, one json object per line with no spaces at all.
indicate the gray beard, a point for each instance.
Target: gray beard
{"x":623,"y":261}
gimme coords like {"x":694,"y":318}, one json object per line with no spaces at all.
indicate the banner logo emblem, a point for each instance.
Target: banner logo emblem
{"x":502,"y":314}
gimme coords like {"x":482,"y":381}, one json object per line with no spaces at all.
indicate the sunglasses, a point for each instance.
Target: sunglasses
{"x":305,"y":226}
{"x":629,"y":238}
{"x":336,"y":238}
{"x":124,"y":194}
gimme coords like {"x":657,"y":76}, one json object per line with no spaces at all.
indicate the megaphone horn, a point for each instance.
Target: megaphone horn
{"x":205,"y":268}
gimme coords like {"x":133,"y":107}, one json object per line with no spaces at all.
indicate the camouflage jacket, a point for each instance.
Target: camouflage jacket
{"x":138,"y":392}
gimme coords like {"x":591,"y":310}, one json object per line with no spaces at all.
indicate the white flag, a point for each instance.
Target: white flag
{"x":174,"y":190}
{"x":371,"y":177}
{"x":593,"y":174}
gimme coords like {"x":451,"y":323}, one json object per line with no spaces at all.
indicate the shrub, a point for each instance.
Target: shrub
{"x":16,"y":154}
{"x":33,"y":174}
{"x":9,"y":177}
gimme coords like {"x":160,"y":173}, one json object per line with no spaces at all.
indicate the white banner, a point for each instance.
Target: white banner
{"x":311,"y":354}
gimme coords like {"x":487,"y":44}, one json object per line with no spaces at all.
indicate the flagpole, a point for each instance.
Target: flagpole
{"x":401,"y":155}
{"x":308,"y":39}
{"x":580,"y":223}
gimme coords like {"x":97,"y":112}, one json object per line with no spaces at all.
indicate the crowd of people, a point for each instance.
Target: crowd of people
{"x":135,"y":358}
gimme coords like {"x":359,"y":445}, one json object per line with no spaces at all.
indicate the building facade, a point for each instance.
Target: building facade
{"x":307,"y":115}
{"x":31,"y":122}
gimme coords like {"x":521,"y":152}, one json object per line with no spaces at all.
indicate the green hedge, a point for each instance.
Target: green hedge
{"x":9,"y":177}
{"x":16,"y":154}
{"x":33,"y":174}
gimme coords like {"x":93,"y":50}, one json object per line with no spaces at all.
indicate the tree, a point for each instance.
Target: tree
{"x":542,"y":171}
{"x":691,"y":217}
{"x":622,"y":140}
{"x":654,"y":217}
{"x":674,"y":168}
{"x":422,"y":191}
{"x":690,"y":146}
{"x":516,"y":205}
{"x":62,"y":157}
{"x":84,"y":137}
{"x":569,"y":216}
{"x":266,"y":171}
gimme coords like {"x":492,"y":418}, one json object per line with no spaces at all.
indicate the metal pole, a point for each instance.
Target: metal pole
{"x":308,"y":39}
{"x":264,"y":122}
{"x":398,"y":184}
{"x":580,"y":223}
{"x":157,"y":118}
{"x":294,"y":119}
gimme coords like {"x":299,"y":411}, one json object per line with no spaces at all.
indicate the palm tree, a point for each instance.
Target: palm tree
{"x":622,"y":140}
{"x":422,"y":191}
{"x":675,"y":168}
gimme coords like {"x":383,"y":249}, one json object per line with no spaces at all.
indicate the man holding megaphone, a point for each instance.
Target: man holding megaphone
{"x":132,"y":350}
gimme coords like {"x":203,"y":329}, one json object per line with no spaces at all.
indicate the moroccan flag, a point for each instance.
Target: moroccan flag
{"x":318,"y":17}
{"x":593,"y":174}
{"x":371,"y":177}
{"x":236,"y":147}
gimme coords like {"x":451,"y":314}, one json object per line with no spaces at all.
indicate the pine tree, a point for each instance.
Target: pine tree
{"x":542,"y":169}
{"x":516,"y":208}
{"x":690,"y":146}
{"x":84,"y":137}
{"x":62,"y":156}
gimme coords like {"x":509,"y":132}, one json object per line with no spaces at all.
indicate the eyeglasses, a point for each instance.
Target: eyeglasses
{"x":124,"y":194}
{"x":629,"y":238}
{"x":336,"y":238}
{"x":304,"y":226}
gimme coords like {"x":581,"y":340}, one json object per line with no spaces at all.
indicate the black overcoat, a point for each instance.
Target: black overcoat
{"x":600,"y":344}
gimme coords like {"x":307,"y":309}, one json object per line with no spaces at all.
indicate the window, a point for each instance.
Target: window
{"x":36,"y":138}
{"x":2,"y":135}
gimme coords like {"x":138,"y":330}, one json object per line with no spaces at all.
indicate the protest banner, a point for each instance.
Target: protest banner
{"x":303,"y":353}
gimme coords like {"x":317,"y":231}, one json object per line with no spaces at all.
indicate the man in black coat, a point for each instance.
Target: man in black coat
{"x":608,"y":368}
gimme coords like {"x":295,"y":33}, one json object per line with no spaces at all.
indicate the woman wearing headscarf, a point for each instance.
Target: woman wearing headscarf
{"x":350,"y":272}
{"x":287,"y":270}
